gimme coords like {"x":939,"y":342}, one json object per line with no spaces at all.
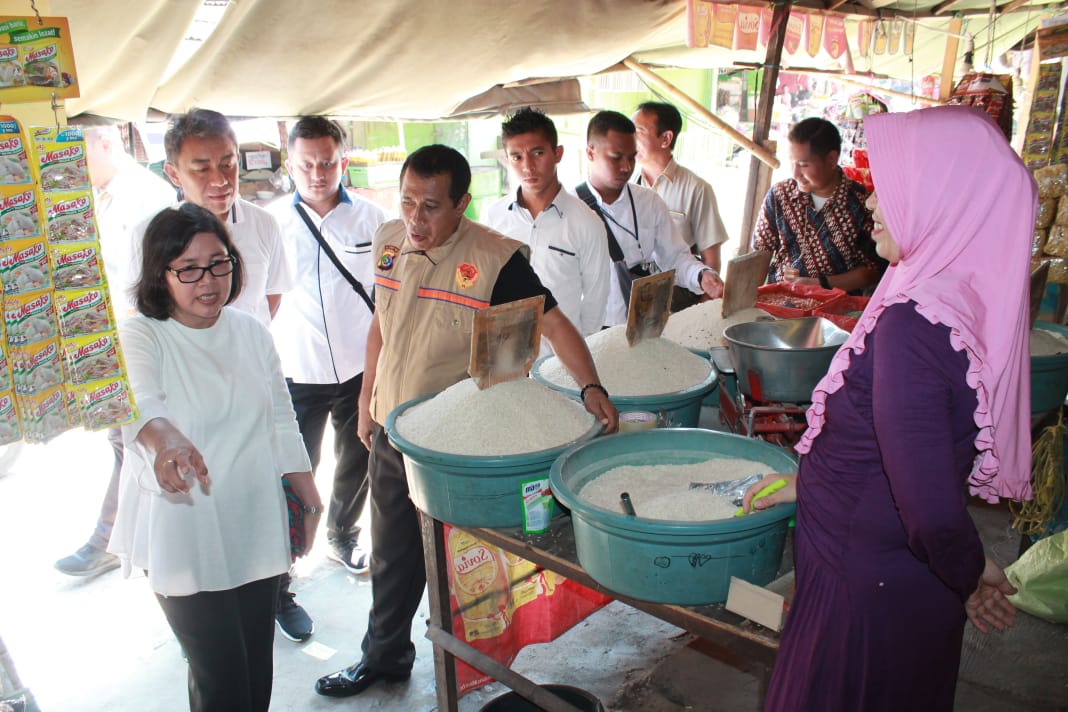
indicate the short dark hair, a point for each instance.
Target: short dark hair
{"x":821,"y":136}
{"x":202,"y":123}
{"x":667,"y":116}
{"x":605,"y":121}
{"x":166,"y":238}
{"x":437,"y":159}
{"x":529,"y":120}
{"x":317,"y":127}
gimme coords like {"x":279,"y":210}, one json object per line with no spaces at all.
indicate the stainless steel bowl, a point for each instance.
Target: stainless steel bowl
{"x":782,"y":360}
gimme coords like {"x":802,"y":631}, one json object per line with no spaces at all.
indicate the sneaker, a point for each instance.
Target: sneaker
{"x":293,"y":621}
{"x":350,"y":555}
{"x":87,"y":561}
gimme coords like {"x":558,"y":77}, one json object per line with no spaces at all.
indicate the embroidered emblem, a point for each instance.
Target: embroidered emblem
{"x":389,"y":253}
{"x":466,"y":275}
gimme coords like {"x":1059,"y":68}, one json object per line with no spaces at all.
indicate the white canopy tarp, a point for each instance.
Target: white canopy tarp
{"x":413,"y":59}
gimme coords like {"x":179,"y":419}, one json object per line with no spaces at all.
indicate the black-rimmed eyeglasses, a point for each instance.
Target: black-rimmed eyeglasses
{"x":218,"y":268}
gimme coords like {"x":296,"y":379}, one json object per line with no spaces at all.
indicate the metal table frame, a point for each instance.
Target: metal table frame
{"x":724,"y":635}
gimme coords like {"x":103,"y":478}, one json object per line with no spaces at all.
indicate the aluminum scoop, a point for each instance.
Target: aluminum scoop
{"x":728,"y":488}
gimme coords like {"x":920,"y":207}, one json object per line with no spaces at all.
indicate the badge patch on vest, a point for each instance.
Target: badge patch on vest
{"x":389,"y":254}
{"x":466,"y":275}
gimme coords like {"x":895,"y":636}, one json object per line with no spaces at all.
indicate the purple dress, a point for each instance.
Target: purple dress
{"x":886,"y":551}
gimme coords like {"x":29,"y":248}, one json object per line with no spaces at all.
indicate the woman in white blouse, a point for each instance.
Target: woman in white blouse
{"x":201,"y":507}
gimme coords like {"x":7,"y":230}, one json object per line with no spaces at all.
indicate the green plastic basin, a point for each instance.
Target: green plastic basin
{"x":681,"y":409}
{"x":682,"y":563}
{"x":1049,"y":375}
{"x":470,"y":490}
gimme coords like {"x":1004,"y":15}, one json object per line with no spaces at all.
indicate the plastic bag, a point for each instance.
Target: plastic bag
{"x":1041,"y":575}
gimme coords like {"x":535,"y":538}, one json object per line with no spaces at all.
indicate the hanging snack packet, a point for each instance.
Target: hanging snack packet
{"x":74,"y":411}
{"x":24,"y":266}
{"x":83,"y":311}
{"x":37,"y":367}
{"x":10,"y":429}
{"x":106,"y":403}
{"x":60,"y":158}
{"x":77,"y":265}
{"x":90,"y":358}
{"x":44,"y":415}
{"x":40,"y":62}
{"x":29,"y":318}
{"x":14,"y":165}
{"x":69,"y":217}
{"x":19,"y":217}
{"x":11,"y":71}
{"x":5,"y":371}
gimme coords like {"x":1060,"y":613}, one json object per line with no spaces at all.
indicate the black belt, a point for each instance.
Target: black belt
{"x":639,"y":271}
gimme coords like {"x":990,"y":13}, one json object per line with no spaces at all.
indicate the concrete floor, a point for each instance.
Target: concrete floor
{"x":103,"y":644}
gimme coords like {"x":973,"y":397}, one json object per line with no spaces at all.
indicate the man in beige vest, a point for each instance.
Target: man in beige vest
{"x":433,"y":266}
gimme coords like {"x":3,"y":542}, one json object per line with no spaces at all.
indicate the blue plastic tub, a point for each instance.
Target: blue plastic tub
{"x":683,"y":563}
{"x":681,"y":409}
{"x":469,"y":490}
{"x":1049,"y":375}
{"x":711,"y":398}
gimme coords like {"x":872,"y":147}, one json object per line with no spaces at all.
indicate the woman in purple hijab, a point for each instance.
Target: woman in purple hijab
{"x":926,"y":401}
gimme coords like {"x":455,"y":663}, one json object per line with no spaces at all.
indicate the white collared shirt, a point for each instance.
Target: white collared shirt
{"x":568,"y":251}
{"x":321,"y":327}
{"x":258,"y":240}
{"x":692,"y":204}
{"x":654,"y":242}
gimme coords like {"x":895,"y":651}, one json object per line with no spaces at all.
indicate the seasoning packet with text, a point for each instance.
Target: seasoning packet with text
{"x":24,"y":266}
{"x":14,"y":162}
{"x":29,"y":317}
{"x":69,"y":216}
{"x":44,"y":415}
{"x":76,"y":265}
{"x":19,"y":212}
{"x":10,"y":428}
{"x":37,"y":367}
{"x":60,"y":158}
{"x":105,"y":403}
{"x":83,"y":311}
{"x":90,"y":358}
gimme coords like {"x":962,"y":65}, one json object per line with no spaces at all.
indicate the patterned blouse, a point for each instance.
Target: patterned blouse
{"x":830,"y":241}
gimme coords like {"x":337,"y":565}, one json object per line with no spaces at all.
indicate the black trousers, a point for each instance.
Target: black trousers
{"x":228,"y":639}
{"x":313,"y":403}
{"x":398,"y":575}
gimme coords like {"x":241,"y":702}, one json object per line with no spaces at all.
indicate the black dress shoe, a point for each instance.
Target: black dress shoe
{"x":353,"y":680}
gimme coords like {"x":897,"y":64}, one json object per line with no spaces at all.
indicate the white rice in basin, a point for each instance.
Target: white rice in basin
{"x":663,"y":491}
{"x":652,"y":367}
{"x":510,"y":418}
{"x":701,"y":326}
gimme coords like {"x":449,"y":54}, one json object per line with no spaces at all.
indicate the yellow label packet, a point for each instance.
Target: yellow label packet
{"x":106,"y":403}
{"x":60,"y":158}
{"x":37,"y":367}
{"x":84,"y":311}
{"x":24,"y":266}
{"x":76,"y":265}
{"x":5,"y":371}
{"x":10,"y":428}
{"x":14,"y":162}
{"x":19,"y":212}
{"x":29,"y":318}
{"x":69,"y":216}
{"x":44,"y":415}
{"x":90,"y":358}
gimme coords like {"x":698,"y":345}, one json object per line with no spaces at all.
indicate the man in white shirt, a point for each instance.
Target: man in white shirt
{"x":124,"y":193}
{"x":202,"y":162}
{"x":568,"y":245}
{"x":690,"y":199}
{"x":637,"y":220}
{"x":320,"y":330}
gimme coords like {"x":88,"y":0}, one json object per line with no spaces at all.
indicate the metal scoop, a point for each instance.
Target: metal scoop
{"x":734,"y":489}
{"x":504,"y":341}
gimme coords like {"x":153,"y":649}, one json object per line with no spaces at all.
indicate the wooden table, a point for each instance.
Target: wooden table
{"x":724,"y":635}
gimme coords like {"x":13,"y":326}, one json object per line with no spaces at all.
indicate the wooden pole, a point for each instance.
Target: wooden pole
{"x":653,"y":79}
{"x":762,"y":124}
{"x":945,"y":86}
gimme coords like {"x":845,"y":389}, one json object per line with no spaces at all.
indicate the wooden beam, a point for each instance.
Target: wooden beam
{"x":945,"y":6}
{"x":945,"y":86}
{"x":1011,"y":6}
{"x":835,"y":4}
{"x":762,"y":124}
{"x":655,"y":80}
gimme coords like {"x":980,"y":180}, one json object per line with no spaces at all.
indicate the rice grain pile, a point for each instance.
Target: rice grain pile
{"x":651,"y":367}
{"x":663,"y":491}
{"x":701,"y":326}
{"x":1047,"y":343}
{"x":509,"y":418}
